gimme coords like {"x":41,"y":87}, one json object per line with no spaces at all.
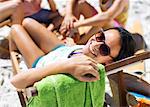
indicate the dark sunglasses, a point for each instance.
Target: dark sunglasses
{"x":104,"y":49}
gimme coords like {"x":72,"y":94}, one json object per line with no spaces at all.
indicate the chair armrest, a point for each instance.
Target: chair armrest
{"x":6,"y":22}
{"x":133,"y":59}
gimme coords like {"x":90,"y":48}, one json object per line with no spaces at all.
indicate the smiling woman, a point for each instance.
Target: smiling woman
{"x":46,"y":51}
{"x":104,"y":49}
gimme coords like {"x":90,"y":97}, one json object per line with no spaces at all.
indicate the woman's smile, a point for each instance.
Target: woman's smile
{"x":93,"y":47}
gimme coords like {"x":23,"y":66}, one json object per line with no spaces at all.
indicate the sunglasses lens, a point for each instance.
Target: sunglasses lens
{"x":104,"y":50}
{"x":101,"y":37}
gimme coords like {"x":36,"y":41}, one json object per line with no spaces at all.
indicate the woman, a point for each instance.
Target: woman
{"x":42,"y":50}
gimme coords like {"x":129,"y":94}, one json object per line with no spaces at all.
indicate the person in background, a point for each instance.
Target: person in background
{"x":16,"y":10}
{"x":51,"y":18}
{"x":112,"y":13}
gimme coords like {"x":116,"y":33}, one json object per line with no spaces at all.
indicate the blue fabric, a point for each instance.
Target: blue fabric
{"x":36,"y":61}
{"x":61,"y":45}
{"x":59,"y":53}
{"x":139,"y":95}
{"x":42,"y":16}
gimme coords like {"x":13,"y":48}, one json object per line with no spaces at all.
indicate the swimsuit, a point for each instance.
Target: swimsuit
{"x":61,"y":52}
{"x":42,"y":16}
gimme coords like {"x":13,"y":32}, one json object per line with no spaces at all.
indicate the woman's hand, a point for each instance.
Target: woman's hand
{"x":83,"y":68}
{"x":67,"y":24}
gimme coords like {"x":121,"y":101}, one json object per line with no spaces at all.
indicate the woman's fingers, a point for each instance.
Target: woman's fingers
{"x":84,"y":68}
{"x":71,"y":25}
{"x":92,"y":71}
{"x":87,"y":73}
{"x":90,"y":76}
{"x":68,"y":25}
{"x":63,"y":31}
{"x":86,"y":60}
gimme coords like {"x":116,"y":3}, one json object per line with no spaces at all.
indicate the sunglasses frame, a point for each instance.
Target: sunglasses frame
{"x":101,"y":38}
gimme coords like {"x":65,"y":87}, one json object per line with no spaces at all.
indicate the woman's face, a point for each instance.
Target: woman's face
{"x":103,"y":46}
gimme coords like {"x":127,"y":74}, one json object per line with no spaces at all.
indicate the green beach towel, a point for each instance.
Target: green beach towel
{"x":63,"y":90}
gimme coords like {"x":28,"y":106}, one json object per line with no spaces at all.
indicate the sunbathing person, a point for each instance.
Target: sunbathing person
{"x":114,"y":13}
{"x":18,"y":9}
{"x":45,"y":53}
{"x":11,"y":9}
{"x":33,"y":9}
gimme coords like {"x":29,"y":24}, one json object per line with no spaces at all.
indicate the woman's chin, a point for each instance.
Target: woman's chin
{"x":89,"y":53}
{"x":85,"y":51}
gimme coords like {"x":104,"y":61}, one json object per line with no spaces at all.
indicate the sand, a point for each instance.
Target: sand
{"x":139,"y":9}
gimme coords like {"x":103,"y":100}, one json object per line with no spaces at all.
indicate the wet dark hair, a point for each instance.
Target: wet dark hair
{"x":128,"y":44}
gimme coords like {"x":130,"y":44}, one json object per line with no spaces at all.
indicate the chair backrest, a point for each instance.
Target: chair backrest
{"x":15,"y":63}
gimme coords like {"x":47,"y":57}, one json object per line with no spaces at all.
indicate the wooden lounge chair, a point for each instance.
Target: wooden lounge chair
{"x":115,"y":74}
{"x":122,"y":79}
{"x":6,"y":22}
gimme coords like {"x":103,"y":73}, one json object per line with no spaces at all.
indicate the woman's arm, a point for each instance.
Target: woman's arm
{"x":29,"y":77}
{"x":3,"y":0}
{"x":85,"y":37}
{"x":77,"y":66}
{"x":105,"y":17}
{"x":69,"y":18}
{"x":69,"y":7}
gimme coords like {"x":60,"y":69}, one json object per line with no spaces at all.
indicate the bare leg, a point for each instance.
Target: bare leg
{"x":22,"y":41}
{"x":9,"y":9}
{"x":46,"y":40}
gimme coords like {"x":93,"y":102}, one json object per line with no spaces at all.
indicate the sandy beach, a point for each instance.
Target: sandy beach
{"x":139,"y":10}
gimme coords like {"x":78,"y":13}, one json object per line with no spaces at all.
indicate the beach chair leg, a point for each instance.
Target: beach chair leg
{"x":122,"y":89}
{"x":21,"y":98}
{"x":118,"y":89}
